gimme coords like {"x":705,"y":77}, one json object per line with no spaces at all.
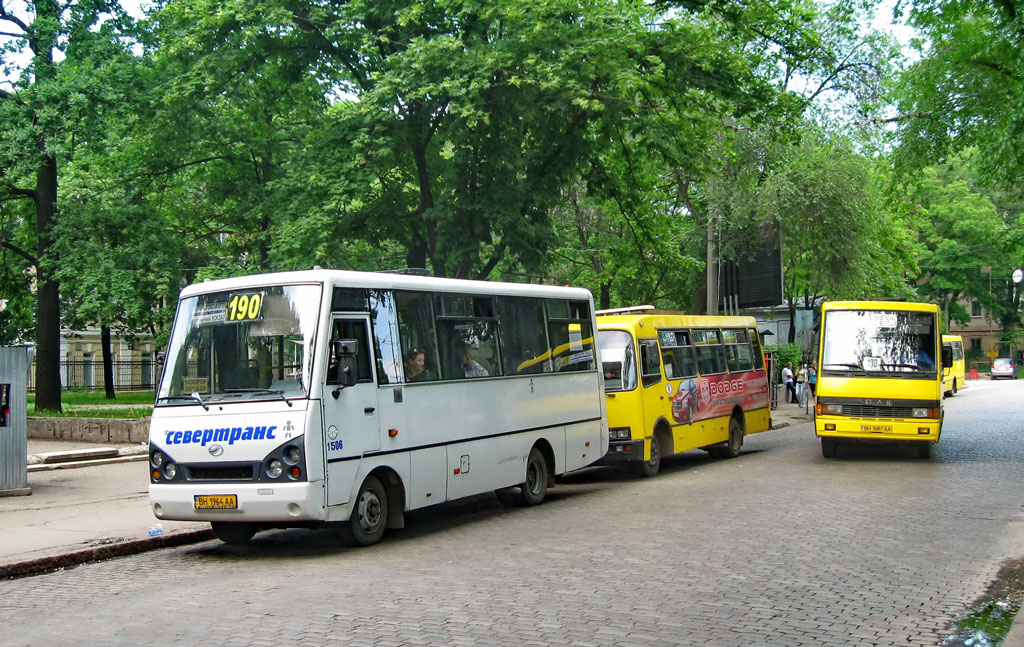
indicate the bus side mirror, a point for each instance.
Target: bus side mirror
{"x":346,"y":369}
{"x":947,"y":357}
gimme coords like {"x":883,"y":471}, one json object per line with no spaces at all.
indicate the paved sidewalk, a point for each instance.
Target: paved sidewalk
{"x":82,"y":511}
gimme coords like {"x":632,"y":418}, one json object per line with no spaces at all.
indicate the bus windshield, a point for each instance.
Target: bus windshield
{"x":617,"y":360}
{"x":245,"y":344}
{"x":879,"y":343}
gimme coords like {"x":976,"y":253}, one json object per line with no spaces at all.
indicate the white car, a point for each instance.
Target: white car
{"x":1003,"y":367}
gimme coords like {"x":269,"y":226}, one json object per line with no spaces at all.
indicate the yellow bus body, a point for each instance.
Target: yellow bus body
{"x":681,"y":409}
{"x":877,"y":404}
{"x":953,"y":377}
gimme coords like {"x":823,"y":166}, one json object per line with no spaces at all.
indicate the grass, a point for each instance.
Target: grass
{"x":75,"y":398}
{"x":94,"y":404}
{"x":128,"y":413}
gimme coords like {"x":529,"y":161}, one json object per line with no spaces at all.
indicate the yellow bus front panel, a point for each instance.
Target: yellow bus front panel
{"x":879,"y":375}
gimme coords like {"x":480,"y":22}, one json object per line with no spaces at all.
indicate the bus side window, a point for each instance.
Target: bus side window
{"x":650,"y":362}
{"x":385,"y":322}
{"x":755,"y":345}
{"x":522,"y":335}
{"x":415,"y":325}
{"x":349,"y":329}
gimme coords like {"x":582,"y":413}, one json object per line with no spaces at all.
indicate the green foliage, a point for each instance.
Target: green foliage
{"x":966,"y":89}
{"x":784,"y":353}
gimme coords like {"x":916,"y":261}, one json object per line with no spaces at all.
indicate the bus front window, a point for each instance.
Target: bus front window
{"x":251,"y":343}
{"x":879,"y":343}
{"x":617,"y":360}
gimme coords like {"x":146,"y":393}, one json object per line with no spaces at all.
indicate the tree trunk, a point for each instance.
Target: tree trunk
{"x":45,"y":196}
{"x":606,"y":296}
{"x":47,"y":293}
{"x":108,"y":362}
{"x":700,"y":295}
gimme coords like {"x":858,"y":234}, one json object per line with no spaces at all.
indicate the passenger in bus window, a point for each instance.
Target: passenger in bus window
{"x":470,"y":367}
{"x":416,"y":367}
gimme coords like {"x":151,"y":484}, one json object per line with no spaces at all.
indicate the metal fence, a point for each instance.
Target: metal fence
{"x":87,"y":375}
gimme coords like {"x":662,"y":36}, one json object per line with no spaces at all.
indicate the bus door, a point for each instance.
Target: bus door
{"x":350,"y":413}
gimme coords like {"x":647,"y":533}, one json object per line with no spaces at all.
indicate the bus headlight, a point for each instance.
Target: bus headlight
{"x":919,"y":412}
{"x":170,"y":471}
{"x":275,"y":469}
{"x":834,"y":408}
{"x":292,"y":455}
{"x":157,"y":459}
{"x":618,"y":433}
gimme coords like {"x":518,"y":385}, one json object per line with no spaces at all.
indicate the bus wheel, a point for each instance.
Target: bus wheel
{"x":370,"y":516}
{"x":650,"y":467}
{"x":829,"y":447}
{"x":730,"y":448}
{"x":535,"y":487}
{"x":235,"y":533}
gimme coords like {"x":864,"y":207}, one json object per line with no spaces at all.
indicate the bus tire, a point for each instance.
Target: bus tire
{"x":235,"y":533}
{"x":535,"y":487}
{"x":829,"y":447}
{"x":370,"y":514}
{"x":730,"y":448}
{"x":650,"y":467}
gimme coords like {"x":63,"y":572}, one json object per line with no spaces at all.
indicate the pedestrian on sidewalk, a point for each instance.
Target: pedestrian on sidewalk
{"x":812,"y":379}
{"x":787,"y":379}
{"x":801,"y":379}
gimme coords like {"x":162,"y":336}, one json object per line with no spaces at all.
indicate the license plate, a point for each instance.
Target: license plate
{"x":216,"y":502}
{"x":876,"y":429}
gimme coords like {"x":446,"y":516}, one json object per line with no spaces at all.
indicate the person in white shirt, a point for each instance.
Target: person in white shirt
{"x":787,"y":378}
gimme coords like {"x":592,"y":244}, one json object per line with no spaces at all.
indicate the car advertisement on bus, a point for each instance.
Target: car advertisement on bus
{"x":701,"y":398}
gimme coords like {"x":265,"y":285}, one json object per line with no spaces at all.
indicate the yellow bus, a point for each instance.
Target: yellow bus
{"x":878,"y":375}
{"x":675,"y":382}
{"x":953,"y":375}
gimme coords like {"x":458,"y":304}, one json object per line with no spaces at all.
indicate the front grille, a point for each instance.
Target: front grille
{"x":871,"y":411}
{"x":220,"y":473}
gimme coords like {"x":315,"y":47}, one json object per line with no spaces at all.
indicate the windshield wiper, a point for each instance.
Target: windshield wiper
{"x":276,"y":392}
{"x":192,"y":396}
{"x":856,"y":367}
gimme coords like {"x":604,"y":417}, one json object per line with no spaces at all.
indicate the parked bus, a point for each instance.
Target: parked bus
{"x":953,"y":375}
{"x":879,"y":375}
{"x":304,"y":398}
{"x":675,"y":382}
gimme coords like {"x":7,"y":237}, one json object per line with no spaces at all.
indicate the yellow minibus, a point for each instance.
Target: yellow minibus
{"x":675,"y":382}
{"x":953,"y":375}
{"x":880,"y":374}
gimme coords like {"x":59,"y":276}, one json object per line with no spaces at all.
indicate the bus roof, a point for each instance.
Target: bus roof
{"x":668,"y":319}
{"x":880,"y":305}
{"x":385,"y":280}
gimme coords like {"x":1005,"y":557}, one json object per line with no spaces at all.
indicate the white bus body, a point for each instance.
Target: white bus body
{"x":268,"y":415}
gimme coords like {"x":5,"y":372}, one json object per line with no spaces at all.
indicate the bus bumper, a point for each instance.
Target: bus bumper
{"x":264,"y":502}
{"x":623,"y":451}
{"x":923,"y":429}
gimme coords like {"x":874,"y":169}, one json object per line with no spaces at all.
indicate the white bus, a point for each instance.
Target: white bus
{"x":289,"y":399}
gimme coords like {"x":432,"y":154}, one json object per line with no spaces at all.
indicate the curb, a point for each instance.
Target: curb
{"x":98,"y":553}
{"x":45,"y":467}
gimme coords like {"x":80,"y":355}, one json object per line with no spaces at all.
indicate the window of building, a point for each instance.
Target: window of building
{"x":975,"y":309}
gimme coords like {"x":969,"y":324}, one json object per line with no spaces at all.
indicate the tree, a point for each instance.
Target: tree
{"x":966,"y":89}
{"x":48,"y":109}
{"x":824,"y":202}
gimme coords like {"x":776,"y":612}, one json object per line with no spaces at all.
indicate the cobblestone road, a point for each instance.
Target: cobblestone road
{"x":776,"y":547}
